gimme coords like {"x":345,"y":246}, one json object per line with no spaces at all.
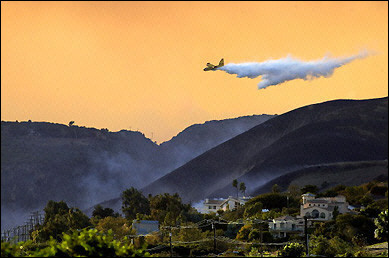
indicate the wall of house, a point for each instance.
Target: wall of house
{"x":322,"y":213}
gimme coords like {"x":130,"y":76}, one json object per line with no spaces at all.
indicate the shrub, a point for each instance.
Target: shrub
{"x":79,"y":243}
{"x":293,"y":249}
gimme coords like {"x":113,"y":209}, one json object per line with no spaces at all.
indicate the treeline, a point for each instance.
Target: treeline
{"x":67,"y":231}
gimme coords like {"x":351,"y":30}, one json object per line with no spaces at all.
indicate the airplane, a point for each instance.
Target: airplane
{"x":211,"y":67}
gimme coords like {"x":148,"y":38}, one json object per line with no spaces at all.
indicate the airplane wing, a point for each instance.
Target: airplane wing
{"x":209,"y":65}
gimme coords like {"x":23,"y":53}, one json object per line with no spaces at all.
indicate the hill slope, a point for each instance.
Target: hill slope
{"x":83,"y":166}
{"x":330,"y":175}
{"x":198,"y":138}
{"x":334,"y":131}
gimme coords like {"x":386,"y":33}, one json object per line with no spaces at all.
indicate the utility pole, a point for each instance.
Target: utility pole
{"x":214,"y":238}
{"x":307,"y":245}
{"x":171,"y":248}
{"x":306,"y":234}
{"x":260,"y":229}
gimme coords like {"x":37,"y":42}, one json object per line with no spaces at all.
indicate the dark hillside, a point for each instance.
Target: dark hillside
{"x":198,"y":138}
{"x":330,"y":175}
{"x":334,"y":131}
{"x":83,"y":166}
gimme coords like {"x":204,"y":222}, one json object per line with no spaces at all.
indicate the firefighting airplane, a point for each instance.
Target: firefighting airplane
{"x":211,"y":67}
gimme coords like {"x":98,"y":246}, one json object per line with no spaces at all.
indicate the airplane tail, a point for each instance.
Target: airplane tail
{"x":221,"y":63}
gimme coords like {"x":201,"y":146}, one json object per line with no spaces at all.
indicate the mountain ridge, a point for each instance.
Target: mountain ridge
{"x":246,"y":146}
{"x":44,"y":161}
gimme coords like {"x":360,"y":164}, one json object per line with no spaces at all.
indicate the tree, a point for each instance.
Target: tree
{"x":252,"y":210}
{"x":242,"y":188}
{"x":54,"y":208}
{"x":381,"y":223}
{"x":244,"y":232}
{"x":309,"y":189}
{"x":134,"y":202}
{"x":294,"y":191}
{"x":100,"y":213}
{"x":235,"y":184}
{"x":59,"y":218}
{"x":348,"y":226}
{"x":275,"y":188}
{"x":71,"y":123}
{"x":169,"y":209}
{"x":335,"y":212}
{"x":335,"y":246}
{"x":269,"y":201}
{"x":119,"y":227}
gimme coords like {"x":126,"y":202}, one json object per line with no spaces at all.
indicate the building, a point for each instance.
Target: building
{"x":230,"y":203}
{"x":212,"y":205}
{"x":144,"y":227}
{"x":322,"y":208}
{"x":286,"y":225}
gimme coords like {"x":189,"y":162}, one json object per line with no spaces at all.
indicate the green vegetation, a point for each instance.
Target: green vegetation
{"x":381,"y":222}
{"x":59,"y":218}
{"x":293,"y":250}
{"x":66,"y":231}
{"x":235,"y":184}
{"x":134,"y":202}
{"x":100,"y":213}
{"x":242,"y":188}
{"x":78,"y":243}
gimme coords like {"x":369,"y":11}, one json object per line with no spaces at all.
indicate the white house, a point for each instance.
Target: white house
{"x":280,"y":227}
{"x":316,"y":209}
{"x":224,"y":204}
{"x":322,"y":208}
{"x":212,"y":205}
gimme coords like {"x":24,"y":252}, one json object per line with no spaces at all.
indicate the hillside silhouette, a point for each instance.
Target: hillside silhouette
{"x":44,"y":161}
{"x":329,"y":132}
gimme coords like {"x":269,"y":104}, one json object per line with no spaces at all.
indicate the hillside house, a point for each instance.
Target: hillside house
{"x":322,"y":208}
{"x":286,"y":225}
{"x":212,"y":205}
{"x":230,"y":203}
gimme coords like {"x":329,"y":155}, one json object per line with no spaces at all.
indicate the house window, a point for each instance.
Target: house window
{"x":315,"y":214}
{"x":322,"y":215}
{"x":275,"y":226}
{"x":209,"y":207}
{"x":214,"y":207}
{"x":282,"y":225}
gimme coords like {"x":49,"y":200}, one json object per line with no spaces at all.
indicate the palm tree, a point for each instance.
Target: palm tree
{"x":235,"y":184}
{"x":242,"y":188}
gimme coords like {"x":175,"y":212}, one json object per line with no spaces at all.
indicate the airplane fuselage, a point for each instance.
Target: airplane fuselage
{"x":211,"y":67}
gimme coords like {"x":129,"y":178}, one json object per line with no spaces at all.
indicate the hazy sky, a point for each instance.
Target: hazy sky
{"x":139,"y":65}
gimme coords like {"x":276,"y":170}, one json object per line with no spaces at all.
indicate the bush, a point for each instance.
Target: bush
{"x":79,"y":243}
{"x":381,"y":223}
{"x":320,"y":245}
{"x":293,"y":249}
{"x":119,"y":226}
{"x":244,"y":232}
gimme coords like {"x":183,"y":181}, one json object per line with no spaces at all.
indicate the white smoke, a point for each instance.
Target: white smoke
{"x":277,"y":71}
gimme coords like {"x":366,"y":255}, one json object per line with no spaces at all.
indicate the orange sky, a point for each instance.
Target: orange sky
{"x":139,"y":65}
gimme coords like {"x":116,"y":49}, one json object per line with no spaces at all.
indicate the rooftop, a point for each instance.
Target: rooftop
{"x":214,"y":201}
{"x":286,"y":217}
{"x":308,"y":194}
